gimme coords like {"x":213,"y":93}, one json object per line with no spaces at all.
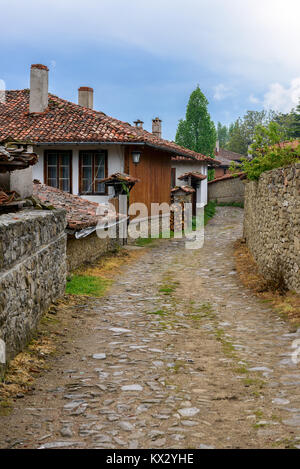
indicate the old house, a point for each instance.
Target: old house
{"x":226,"y":157}
{"x":192,"y":172}
{"x":79,"y":147}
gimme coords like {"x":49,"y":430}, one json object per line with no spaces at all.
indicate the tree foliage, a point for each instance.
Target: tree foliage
{"x":242,"y":132}
{"x":268,"y":152}
{"x":222,"y":134}
{"x":197,"y":131}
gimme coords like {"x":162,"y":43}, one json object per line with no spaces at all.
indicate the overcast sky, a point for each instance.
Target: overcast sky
{"x":144,"y":58}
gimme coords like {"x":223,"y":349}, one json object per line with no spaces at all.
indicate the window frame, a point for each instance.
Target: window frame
{"x":173,"y":177}
{"x":59,"y":167}
{"x":93,"y":153}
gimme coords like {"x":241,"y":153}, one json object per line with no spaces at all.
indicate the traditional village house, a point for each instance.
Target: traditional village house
{"x":226,"y":157}
{"x":79,"y":147}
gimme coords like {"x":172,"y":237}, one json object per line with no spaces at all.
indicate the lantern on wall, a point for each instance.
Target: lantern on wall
{"x":136,"y":156}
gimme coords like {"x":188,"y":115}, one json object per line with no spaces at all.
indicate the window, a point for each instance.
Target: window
{"x":173,"y":177}
{"x":58,"y":169}
{"x":93,"y":168}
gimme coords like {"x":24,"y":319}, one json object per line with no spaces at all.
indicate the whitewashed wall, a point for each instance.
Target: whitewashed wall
{"x":187,"y":166}
{"x":115,"y":159}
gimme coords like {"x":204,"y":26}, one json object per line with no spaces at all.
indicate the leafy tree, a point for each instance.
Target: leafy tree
{"x":242,"y":132}
{"x":222,"y":134}
{"x":295,"y":125}
{"x":267,"y":152}
{"x":236,"y":140}
{"x":197,"y":131}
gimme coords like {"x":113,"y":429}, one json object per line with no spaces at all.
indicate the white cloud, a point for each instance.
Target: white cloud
{"x":222,"y":92}
{"x":283,"y":99}
{"x":253,"y":99}
{"x":252,"y":39}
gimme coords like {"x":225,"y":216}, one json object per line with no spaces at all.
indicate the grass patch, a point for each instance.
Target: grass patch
{"x":142,"y":242}
{"x":258,"y":383}
{"x":5,"y":408}
{"x":87,"y":285}
{"x":160,"y":313}
{"x":231,"y":204}
{"x":209,"y":211}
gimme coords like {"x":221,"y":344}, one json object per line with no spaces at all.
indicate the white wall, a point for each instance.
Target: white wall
{"x":190,"y":166}
{"x":115,"y":159}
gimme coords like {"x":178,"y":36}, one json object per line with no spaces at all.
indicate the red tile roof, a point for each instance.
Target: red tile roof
{"x":293,"y":144}
{"x":226,"y":156}
{"x":198,"y":157}
{"x":120,"y":177}
{"x":193,"y":175}
{"x":187,"y":189}
{"x":227,"y":176}
{"x":64,"y":121}
{"x":12,"y":159}
{"x":81,"y":213}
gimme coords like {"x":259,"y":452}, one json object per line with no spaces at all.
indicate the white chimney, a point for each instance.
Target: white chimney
{"x":38,"y":98}
{"x":217,"y":146}
{"x":156,"y":127}
{"x":86,"y":97}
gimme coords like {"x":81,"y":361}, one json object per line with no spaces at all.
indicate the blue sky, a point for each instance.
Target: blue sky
{"x":144,"y":58}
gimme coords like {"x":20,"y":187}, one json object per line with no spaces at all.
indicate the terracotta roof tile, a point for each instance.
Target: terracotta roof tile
{"x":120,"y":177}
{"x":193,"y":175}
{"x":228,"y":176}
{"x":12,"y":159}
{"x":226,"y":156}
{"x":81,"y":213}
{"x":186,"y":189}
{"x":64,"y":121}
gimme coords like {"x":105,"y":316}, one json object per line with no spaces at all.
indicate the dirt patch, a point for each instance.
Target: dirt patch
{"x":287,"y":304}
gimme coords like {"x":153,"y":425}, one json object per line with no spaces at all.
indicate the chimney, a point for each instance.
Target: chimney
{"x":217,"y":146}
{"x":86,"y":97}
{"x":156,"y":127}
{"x":138,"y":123}
{"x":38,"y":98}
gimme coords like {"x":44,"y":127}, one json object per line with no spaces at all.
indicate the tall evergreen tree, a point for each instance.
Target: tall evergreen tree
{"x":222,"y":134}
{"x":197,"y":131}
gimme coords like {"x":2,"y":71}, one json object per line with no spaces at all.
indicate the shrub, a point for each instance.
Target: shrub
{"x":268,"y":152}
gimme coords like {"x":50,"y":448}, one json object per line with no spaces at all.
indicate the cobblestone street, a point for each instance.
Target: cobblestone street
{"x":178,"y":354}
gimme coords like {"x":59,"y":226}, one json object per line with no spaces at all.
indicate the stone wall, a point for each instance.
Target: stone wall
{"x":32,"y":272}
{"x":88,"y":249}
{"x":272,"y":225}
{"x":226,"y":190}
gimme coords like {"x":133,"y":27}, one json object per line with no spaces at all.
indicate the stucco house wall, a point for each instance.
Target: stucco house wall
{"x":115,"y":162}
{"x":182,"y":167}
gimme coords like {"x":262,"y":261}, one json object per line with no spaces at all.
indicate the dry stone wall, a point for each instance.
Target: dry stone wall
{"x":32,"y":272}
{"x":272,"y":225}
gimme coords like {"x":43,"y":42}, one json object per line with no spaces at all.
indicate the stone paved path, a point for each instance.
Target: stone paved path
{"x":178,"y":355}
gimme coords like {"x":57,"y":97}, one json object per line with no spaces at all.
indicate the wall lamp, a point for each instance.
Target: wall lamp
{"x":136,"y":156}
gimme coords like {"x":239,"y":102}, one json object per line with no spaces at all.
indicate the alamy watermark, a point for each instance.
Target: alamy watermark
{"x":177,"y":220}
{"x":2,"y":352}
{"x":296,"y":352}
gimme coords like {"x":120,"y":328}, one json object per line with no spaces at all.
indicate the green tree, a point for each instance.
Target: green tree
{"x":222,"y":134}
{"x":197,"y":131}
{"x":241,"y":134}
{"x":236,"y":141}
{"x":267,"y":152}
{"x":295,"y":125}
